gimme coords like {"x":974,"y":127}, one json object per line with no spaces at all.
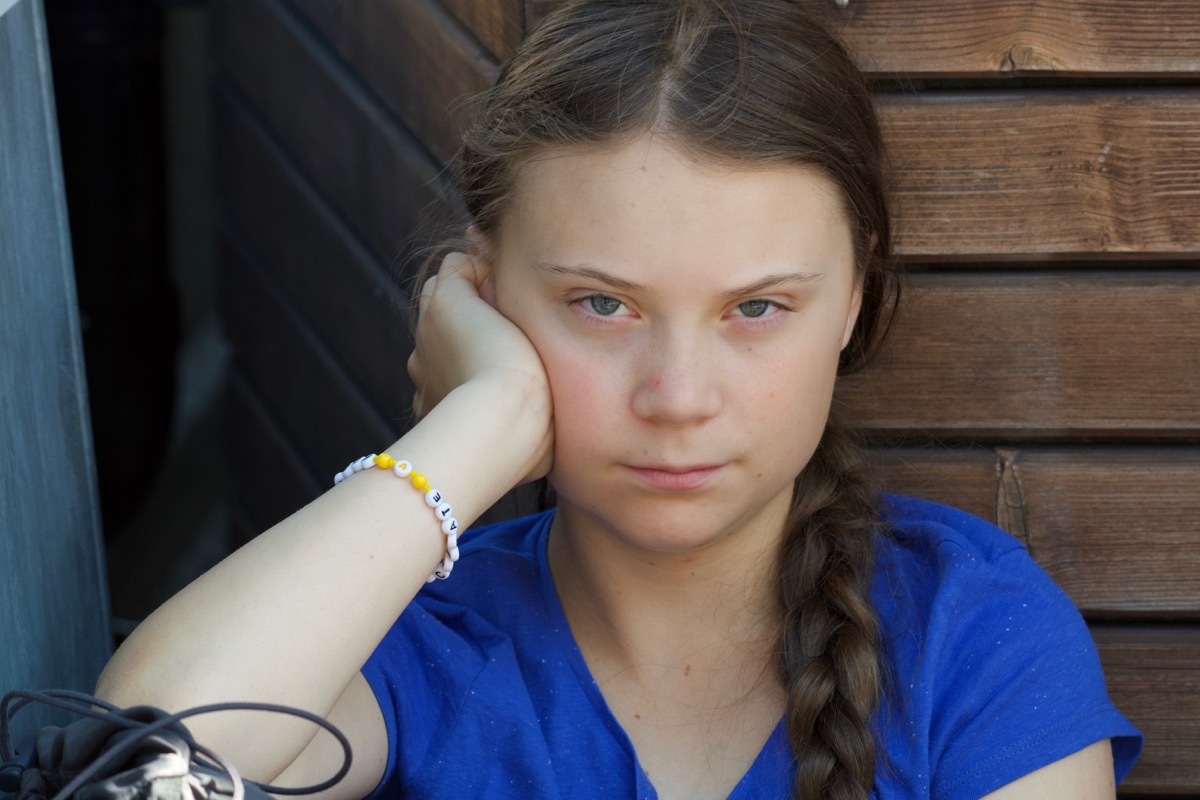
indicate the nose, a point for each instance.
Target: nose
{"x":677,"y":382}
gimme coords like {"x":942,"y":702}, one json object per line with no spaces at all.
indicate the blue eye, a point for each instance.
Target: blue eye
{"x":602,"y":304}
{"x":754,"y":308}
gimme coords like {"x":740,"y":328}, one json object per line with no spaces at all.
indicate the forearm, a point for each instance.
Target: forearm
{"x":292,"y":616}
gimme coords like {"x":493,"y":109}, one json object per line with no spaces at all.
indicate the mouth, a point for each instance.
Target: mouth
{"x":675,"y":478}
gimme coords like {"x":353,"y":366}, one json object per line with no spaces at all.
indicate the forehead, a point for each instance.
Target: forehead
{"x":648,"y":201}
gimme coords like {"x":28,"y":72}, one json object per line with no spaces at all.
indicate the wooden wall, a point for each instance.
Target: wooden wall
{"x":1046,"y":370}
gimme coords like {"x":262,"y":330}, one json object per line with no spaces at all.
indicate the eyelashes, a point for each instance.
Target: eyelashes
{"x":754,"y":313}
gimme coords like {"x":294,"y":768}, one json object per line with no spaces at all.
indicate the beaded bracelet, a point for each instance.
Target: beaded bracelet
{"x":433,"y":499}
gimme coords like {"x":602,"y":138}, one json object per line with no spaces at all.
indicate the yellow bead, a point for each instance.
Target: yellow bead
{"x":418,"y":480}
{"x":385,"y":461}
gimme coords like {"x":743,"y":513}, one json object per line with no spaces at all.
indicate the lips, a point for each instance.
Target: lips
{"x":675,"y":478}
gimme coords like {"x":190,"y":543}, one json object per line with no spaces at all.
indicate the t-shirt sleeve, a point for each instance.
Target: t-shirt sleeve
{"x":419,"y":699}
{"x":1018,"y":683}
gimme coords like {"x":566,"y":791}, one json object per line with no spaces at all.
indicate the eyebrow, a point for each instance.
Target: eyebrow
{"x":600,"y":276}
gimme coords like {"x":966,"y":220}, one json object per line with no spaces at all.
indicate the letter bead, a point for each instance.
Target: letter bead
{"x":433,"y":498}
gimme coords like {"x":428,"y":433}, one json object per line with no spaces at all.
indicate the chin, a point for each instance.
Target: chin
{"x":687,"y":526}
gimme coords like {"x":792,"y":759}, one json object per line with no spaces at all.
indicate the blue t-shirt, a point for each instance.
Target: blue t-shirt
{"x":992,"y":675}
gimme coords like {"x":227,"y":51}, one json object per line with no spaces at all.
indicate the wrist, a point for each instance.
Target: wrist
{"x":484,"y":438}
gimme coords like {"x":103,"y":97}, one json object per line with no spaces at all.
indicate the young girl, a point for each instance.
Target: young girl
{"x":679,"y":238}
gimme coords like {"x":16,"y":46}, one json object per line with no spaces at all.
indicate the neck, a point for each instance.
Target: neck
{"x":647,"y":615}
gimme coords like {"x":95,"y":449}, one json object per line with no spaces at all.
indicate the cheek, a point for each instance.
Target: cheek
{"x":583,"y":389}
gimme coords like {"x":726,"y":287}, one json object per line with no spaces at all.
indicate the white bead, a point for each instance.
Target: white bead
{"x":368,"y":462}
{"x":441,"y":574}
{"x":450,"y":526}
{"x":431,"y":578}
{"x":357,"y":466}
{"x":443,"y":511}
{"x":338,"y":478}
{"x":402,"y":469}
{"x":452,"y":553}
{"x":433,"y":498}
{"x":451,"y":541}
{"x":348,"y":472}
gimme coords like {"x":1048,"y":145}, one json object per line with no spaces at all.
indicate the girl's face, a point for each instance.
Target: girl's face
{"x":689,"y":318}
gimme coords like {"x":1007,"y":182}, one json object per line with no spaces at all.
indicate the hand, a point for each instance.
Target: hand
{"x":461,"y":339}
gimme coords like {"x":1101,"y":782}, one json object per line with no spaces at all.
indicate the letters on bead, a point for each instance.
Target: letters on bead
{"x":433,"y":498}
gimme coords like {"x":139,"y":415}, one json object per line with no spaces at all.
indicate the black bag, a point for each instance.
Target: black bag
{"x":138,"y":753}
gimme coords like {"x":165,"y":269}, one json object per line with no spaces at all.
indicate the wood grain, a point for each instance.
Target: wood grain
{"x":1047,"y":175}
{"x":1117,"y":528}
{"x":415,"y":56}
{"x":1037,"y":356}
{"x":986,"y":38}
{"x":1153,"y":674}
{"x":983,"y":38}
{"x":345,"y":141}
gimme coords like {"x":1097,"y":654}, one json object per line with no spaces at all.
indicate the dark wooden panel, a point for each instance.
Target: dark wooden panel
{"x":299,"y":380}
{"x":54,"y":621}
{"x":495,"y":23}
{"x":1038,"y":355}
{"x":415,"y":55}
{"x":1031,"y":176}
{"x":269,"y":473}
{"x":321,"y":266}
{"x":348,"y":145}
{"x":1153,"y":675}
{"x":1117,"y":528}
{"x":983,"y":38}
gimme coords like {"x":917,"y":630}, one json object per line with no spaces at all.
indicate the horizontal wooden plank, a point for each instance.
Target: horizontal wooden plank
{"x":1037,"y":356}
{"x":347,"y":144}
{"x":334,"y":282}
{"x":986,"y":38}
{"x":1117,"y":528}
{"x":983,"y":38}
{"x":1035,"y":176}
{"x":1154,"y":678}
{"x":415,"y":56}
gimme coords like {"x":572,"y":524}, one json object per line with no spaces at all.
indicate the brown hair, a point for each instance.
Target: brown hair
{"x":737,"y":81}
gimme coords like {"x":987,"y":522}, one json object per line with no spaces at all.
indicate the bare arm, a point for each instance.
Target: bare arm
{"x":1084,"y":775}
{"x":292,"y":616}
